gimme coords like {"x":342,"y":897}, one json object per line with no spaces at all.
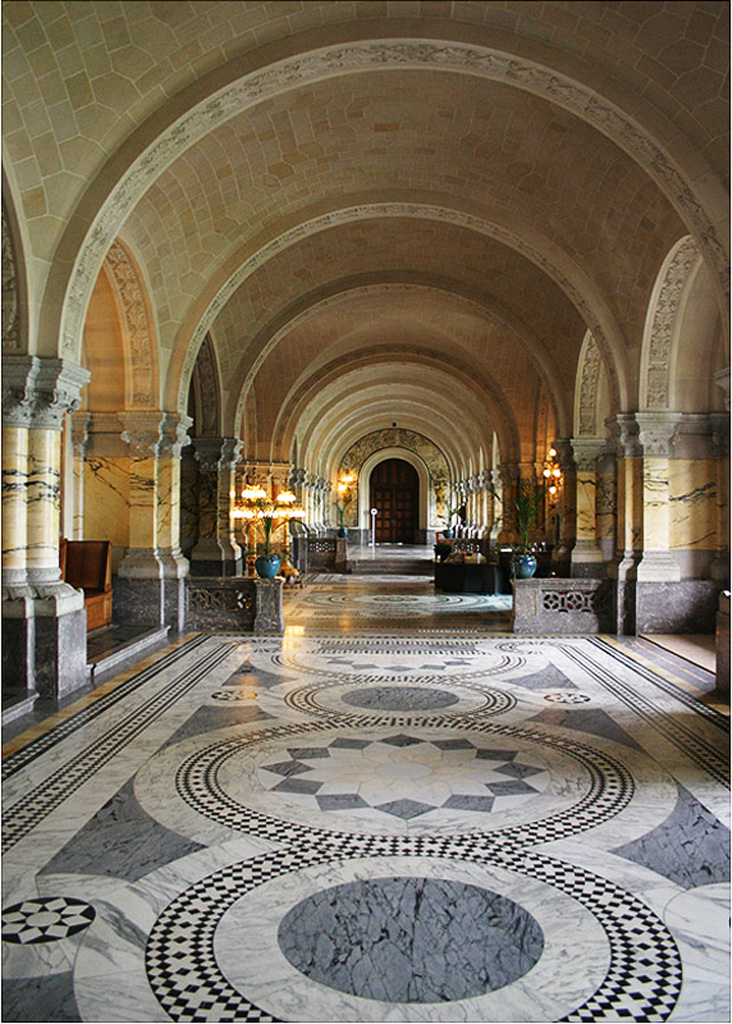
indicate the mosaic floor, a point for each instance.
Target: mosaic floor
{"x":373,"y":828}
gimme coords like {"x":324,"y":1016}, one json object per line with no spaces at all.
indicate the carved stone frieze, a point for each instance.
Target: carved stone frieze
{"x":657,"y":432}
{"x":127,"y":286}
{"x":11,"y":297}
{"x":38,"y":393}
{"x":589,"y":381}
{"x":142,"y":432}
{"x":658,"y":356}
{"x":397,"y":437}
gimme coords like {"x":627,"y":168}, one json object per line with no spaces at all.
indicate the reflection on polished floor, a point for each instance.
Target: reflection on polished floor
{"x":362,"y":821}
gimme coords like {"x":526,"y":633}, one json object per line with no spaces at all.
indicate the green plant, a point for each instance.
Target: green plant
{"x":528,"y":505}
{"x":442,"y":549}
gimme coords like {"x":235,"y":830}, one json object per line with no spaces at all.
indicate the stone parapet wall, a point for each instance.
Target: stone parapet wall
{"x":565,"y":606}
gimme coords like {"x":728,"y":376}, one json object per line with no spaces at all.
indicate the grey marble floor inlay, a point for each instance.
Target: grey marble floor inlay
{"x":400,"y":698}
{"x":411,"y":940}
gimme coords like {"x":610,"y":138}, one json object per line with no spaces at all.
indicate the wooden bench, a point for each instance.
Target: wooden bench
{"x":87,"y":564}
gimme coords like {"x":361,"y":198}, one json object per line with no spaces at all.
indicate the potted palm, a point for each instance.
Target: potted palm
{"x":270,"y":515}
{"x":528,"y":505}
{"x":343,"y":501}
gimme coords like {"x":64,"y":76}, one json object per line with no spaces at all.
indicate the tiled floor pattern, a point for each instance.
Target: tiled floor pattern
{"x":355,"y":828}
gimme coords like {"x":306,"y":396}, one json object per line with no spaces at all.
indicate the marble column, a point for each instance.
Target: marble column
{"x":509,"y":474}
{"x":496,"y":507}
{"x":629,"y":519}
{"x":174,"y":437}
{"x":587,"y":557}
{"x":79,"y":443}
{"x":566,"y":509}
{"x":217,"y":552}
{"x":655,"y":433}
{"x":607,"y":502}
{"x":148,"y":588}
{"x":44,"y":621}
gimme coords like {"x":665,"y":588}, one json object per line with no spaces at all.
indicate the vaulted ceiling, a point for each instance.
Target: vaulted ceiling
{"x":378,"y":212}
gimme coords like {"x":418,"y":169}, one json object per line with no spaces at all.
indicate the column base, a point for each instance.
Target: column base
{"x":19,"y":641}
{"x":269,"y":617}
{"x":60,"y":653}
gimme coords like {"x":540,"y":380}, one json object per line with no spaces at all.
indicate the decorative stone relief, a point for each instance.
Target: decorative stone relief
{"x":216,"y":454}
{"x":657,"y":357}
{"x":396,"y":437}
{"x":38,"y":393}
{"x":629,"y":446}
{"x":11,"y":300}
{"x":589,"y":380}
{"x":657,"y":432}
{"x":174,"y":434}
{"x":127,"y":286}
{"x":142,"y":433}
{"x":352,"y":57}
{"x":586,"y":451}
{"x":206,"y":390}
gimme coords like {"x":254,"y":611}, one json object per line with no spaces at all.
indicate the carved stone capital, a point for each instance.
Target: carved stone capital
{"x":37,"y":393}
{"x":586,"y":451}
{"x":80,"y":422}
{"x":142,"y":432}
{"x":217,"y":454}
{"x":657,"y":432}
{"x":174,"y":430}
{"x":629,"y":446}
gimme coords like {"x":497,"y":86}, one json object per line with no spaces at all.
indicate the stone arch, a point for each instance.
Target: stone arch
{"x":103,"y":210}
{"x":592,"y":403}
{"x":398,"y":443}
{"x":665,"y":325}
{"x":364,"y":483}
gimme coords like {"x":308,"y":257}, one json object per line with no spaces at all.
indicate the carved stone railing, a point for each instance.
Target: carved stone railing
{"x":322,"y":554}
{"x":564,"y":606}
{"x":237,"y":604}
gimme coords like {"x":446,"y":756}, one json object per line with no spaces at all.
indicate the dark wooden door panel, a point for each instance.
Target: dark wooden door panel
{"x":395,"y":493}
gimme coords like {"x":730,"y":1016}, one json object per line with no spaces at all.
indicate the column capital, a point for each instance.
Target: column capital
{"x":37,"y":393}
{"x":586,"y":451}
{"x":174,"y":430}
{"x":564,"y":447}
{"x":657,"y":432}
{"x":141,"y":430}
{"x":625,"y":427}
{"x":80,"y":422}
{"x":217,"y":453}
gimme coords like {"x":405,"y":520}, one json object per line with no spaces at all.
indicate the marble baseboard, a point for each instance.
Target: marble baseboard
{"x":204,"y":567}
{"x":138,"y":602}
{"x":723,"y":646}
{"x":18,"y":653}
{"x":60,"y":653}
{"x":687,"y":606}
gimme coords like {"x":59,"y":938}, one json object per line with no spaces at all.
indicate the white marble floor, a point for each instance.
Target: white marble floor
{"x":339,"y":827}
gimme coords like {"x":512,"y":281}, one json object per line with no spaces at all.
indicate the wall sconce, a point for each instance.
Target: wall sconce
{"x":552,"y":473}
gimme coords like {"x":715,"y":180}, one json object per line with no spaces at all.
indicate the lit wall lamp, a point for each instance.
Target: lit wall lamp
{"x":552,"y":476}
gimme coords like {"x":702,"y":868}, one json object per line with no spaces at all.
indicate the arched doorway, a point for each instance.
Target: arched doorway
{"x":394,"y":491}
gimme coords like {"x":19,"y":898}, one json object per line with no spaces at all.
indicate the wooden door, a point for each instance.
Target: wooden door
{"x":395,"y":493}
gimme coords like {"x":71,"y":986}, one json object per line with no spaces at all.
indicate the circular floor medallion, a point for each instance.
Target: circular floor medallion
{"x":411,"y":940}
{"x":400,"y":698}
{"x":46,"y":920}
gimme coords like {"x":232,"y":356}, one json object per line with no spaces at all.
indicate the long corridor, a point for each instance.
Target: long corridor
{"x":395,"y":812}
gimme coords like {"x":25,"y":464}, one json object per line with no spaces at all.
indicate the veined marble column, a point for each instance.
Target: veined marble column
{"x":509,"y":474}
{"x":566,"y":510}
{"x":629,"y":519}
{"x":217,"y":552}
{"x":586,"y":556}
{"x":174,"y":429}
{"x":79,"y":442}
{"x":656,"y":430}
{"x":607,"y":502}
{"x":44,"y":622}
{"x":495,"y":523}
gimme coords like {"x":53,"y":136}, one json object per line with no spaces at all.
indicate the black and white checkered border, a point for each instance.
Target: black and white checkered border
{"x":14,"y":762}
{"x":642,"y":983}
{"x":305,"y":699}
{"x":610,"y":787}
{"x":33,"y":808}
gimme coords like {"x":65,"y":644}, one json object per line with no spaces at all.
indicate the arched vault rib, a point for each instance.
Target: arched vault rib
{"x":102,"y":211}
{"x":341,"y":291}
{"x":540,"y":252}
{"x":467,"y":376}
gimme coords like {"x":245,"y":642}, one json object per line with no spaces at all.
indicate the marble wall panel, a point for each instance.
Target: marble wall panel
{"x":107,"y":503}
{"x":693,"y":504}
{"x":687,"y":606}
{"x":15,"y":486}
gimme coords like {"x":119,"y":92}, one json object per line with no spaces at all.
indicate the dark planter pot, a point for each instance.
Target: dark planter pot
{"x":447,"y":534}
{"x":267,"y":566}
{"x":524,"y":566}
{"x":342,"y":531}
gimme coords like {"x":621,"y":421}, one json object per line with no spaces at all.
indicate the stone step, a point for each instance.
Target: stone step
{"x":391,"y":567}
